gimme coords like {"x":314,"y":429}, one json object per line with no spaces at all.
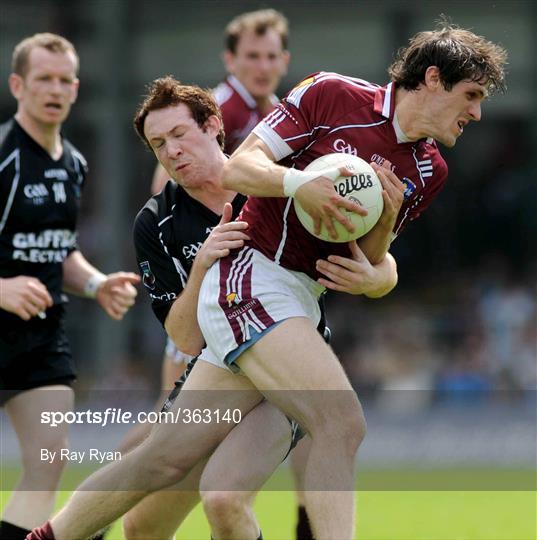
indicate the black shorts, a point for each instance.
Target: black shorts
{"x":34,"y":353}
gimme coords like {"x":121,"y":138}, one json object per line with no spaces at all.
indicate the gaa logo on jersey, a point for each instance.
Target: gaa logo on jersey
{"x":410,"y":187}
{"x":148,"y":277}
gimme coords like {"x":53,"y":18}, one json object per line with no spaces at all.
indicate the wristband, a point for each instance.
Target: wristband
{"x":294,"y":178}
{"x":93,"y":284}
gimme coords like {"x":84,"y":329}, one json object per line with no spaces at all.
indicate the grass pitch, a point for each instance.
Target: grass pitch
{"x":390,"y":515}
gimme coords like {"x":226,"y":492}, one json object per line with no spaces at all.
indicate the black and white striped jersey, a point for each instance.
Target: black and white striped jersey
{"x":39,"y":202}
{"x":168,"y":233}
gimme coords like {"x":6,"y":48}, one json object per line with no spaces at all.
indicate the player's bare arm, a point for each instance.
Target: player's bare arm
{"x":376,"y":243}
{"x":182,"y":323}
{"x":115,"y":293}
{"x":252,"y":171}
{"x":356,"y":275}
{"x":24,"y":296}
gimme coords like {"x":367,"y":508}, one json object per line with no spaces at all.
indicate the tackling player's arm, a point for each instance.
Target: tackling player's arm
{"x":251,"y":170}
{"x":182,"y":323}
{"x":356,"y":275}
{"x":114,"y":292}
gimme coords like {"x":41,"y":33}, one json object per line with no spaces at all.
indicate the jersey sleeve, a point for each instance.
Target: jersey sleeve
{"x":160,"y":278}
{"x":306,"y":112}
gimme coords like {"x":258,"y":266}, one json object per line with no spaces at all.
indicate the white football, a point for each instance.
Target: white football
{"x":362,"y":187}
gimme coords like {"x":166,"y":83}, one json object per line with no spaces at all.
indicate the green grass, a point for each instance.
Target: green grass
{"x":392,"y":515}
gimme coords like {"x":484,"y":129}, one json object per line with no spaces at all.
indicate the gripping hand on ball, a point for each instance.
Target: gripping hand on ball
{"x":320,"y":200}
{"x":393,"y":191}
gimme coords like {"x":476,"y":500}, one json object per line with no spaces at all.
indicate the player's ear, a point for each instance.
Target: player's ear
{"x":286,"y":58}
{"x":213,"y":125}
{"x":432,"y":78}
{"x":76,"y":86}
{"x":16,"y":84}
{"x":229,"y":61}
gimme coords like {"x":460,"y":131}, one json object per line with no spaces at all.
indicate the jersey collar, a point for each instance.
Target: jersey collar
{"x":385,"y":101}
{"x":244,"y":94}
{"x":385,"y":105}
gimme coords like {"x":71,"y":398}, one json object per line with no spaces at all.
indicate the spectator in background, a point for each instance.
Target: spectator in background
{"x":256,"y":59}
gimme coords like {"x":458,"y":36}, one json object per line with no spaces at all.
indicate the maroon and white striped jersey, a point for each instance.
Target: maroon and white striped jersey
{"x":240,"y":112}
{"x":327,"y":113}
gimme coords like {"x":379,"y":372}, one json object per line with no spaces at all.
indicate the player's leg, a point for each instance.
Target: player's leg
{"x":290,"y":364}
{"x":172,"y":369}
{"x":37,"y":486}
{"x":239,"y":467}
{"x":160,"y":514}
{"x":163,"y":459}
{"x":298,"y":459}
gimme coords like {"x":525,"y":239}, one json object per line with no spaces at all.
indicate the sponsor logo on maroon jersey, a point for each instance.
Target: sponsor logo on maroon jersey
{"x":379,"y":160}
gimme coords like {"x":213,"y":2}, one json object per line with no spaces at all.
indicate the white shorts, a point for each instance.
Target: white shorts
{"x":245,"y":295}
{"x":175,"y":354}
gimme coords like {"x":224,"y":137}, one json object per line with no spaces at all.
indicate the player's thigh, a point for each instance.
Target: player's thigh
{"x":190,"y":426}
{"x":298,"y":372}
{"x":24,"y":411}
{"x":251,"y":452}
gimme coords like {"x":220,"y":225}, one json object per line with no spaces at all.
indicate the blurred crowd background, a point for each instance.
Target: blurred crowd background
{"x":461,"y":325}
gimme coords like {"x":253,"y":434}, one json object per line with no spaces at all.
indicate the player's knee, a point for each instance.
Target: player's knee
{"x":341,"y":423}
{"x":223,"y":509}
{"x":160,"y":467}
{"x":164,"y":473}
{"x":45,"y":472}
{"x":135,"y":528}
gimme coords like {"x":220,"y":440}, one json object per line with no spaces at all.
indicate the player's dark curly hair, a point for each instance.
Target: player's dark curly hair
{"x":459,"y":54}
{"x":167,"y":91}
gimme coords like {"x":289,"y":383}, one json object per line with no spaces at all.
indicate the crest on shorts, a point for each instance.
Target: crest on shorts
{"x":233,"y":299}
{"x":148,"y":278}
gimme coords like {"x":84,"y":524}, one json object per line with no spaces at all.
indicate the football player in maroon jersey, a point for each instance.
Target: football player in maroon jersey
{"x":192,"y":153}
{"x":257,"y":306}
